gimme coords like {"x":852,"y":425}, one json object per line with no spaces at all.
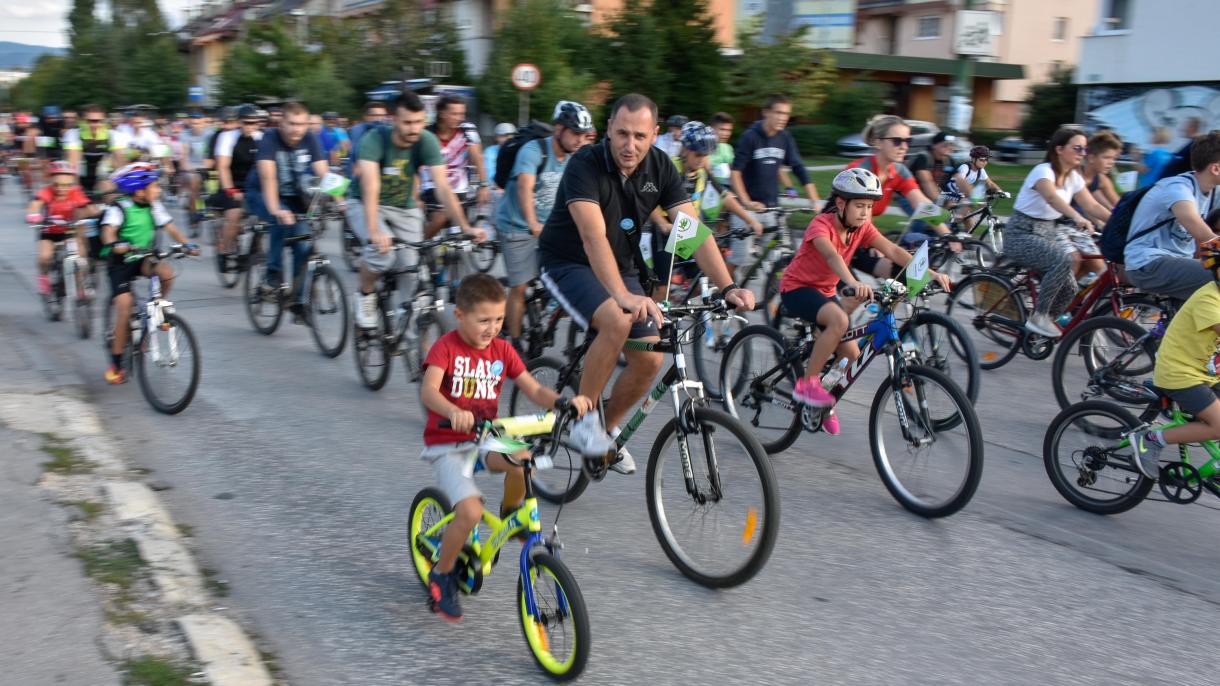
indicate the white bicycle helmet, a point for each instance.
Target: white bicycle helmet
{"x":505,"y":129}
{"x":856,"y":183}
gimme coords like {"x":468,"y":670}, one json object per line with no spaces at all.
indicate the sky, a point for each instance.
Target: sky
{"x":45,"y":22}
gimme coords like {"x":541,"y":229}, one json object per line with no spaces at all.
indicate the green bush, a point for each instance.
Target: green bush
{"x":990,"y":137}
{"x":850,"y":106}
{"x":817,"y":139}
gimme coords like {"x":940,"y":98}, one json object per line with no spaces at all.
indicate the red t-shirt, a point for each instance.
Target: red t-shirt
{"x":897,"y":179}
{"x":63,"y":208}
{"x":809,"y":269}
{"x":473,"y":379}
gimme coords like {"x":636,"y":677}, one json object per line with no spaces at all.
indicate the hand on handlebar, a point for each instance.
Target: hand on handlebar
{"x":121,"y":247}
{"x":461,"y":420}
{"x":757,"y":226}
{"x":943,"y":280}
{"x":640,"y":308}
{"x":741,"y":298}
{"x":477,"y":234}
{"x":578,"y":405}
{"x":756,"y":206}
{"x":286,"y":217}
{"x":857,"y":291}
{"x":955,"y":246}
{"x":191,"y":249}
{"x":382,"y":240}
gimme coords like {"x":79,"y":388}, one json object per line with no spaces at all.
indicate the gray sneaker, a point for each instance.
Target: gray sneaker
{"x":625,"y":464}
{"x":589,"y":436}
{"x":1147,"y":454}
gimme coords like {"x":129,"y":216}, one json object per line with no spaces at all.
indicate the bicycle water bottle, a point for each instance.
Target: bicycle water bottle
{"x":1063,"y":319}
{"x":1088,"y":279}
{"x":834,"y":376}
{"x":1158,"y":331}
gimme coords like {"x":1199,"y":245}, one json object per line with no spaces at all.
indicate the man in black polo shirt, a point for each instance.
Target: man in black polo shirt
{"x":590,"y":259}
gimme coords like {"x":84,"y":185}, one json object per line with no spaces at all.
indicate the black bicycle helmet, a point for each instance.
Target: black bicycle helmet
{"x":248,"y":111}
{"x":980,"y":152}
{"x":573,"y":115}
{"x":676,"y":121}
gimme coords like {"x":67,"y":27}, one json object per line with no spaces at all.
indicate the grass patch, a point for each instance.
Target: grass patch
{"x":825,"y":160}
{"x":126,"y":616}
{"x":218,"y":586}
{"x":91,"y":509}
{"x":64,"y":458}
{"x":270,"y":660}
{"x":117,"y":563}
{"x":156,"y":671}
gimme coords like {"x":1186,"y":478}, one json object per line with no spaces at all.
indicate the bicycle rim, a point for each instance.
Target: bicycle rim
{"x":933,"y":468}
{"x":756,"y":387}
{"x":940,"y":344}
{"x":264,"y":311}
{"x":564,"y":481}
{"x":328,"y":311}
{"x":428,"y":509}
{"x":720,"y":529}
{"x":168,"y":365}
{"x":708,"y":348}
{"x":1083,"y":459}
{"x":1105,"y":358}
{"x":372,"y":357}
{"x":558,"y":631}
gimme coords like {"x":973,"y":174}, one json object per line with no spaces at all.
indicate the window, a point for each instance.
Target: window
{"x":1115,"y":15}
{"x":927,"y":27}
{"x":1059,"y":32}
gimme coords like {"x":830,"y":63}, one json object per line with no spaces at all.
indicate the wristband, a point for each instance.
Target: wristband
{"x":724,"y":292}
{"x":231,"y":192}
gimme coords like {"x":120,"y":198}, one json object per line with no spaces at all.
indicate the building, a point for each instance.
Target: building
{"x":1133,"y":83}
{"x":10,"y":76}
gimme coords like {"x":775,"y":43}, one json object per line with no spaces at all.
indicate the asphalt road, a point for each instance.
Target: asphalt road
{"x":297,"y":483}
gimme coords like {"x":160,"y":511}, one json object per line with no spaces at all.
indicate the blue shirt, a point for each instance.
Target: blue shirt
{"x":1171,"y":240}
{"x":509,"y":217}
{"x":759,"y":158}
{"x":292,"y":164}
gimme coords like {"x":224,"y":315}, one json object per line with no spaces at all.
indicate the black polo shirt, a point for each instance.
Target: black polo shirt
{"x":625,"y":201}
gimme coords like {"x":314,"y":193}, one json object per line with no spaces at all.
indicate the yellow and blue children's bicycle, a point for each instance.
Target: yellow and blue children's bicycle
{"x":552,"y":610}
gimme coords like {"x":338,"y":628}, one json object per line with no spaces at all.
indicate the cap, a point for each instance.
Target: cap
{"x":505,"y":129}
{"x":942,"y":137}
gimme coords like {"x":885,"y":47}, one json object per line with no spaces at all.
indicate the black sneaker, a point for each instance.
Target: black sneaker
{"x":443,"y":596}
{"x":299,"y":314}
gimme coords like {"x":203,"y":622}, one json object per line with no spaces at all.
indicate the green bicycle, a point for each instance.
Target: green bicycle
{"x":1090,"y":460}
{"x":552,"y":611}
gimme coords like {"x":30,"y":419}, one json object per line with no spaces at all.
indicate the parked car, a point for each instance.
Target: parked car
{"x":921,"y":139}
{"x":1012,"y":149}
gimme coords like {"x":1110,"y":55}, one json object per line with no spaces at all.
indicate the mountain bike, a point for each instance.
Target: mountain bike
{"x":477,"y":257}
{"x":554,"y":617}
{"x":981,"y":222}
{"x":930,"y":411}
{"x":326,"y":306}
{"x":68,"y":265}
{"x":1090,"y":460}
{"x":706,"y":477}
{"x":230,"y":268}
{"x":161,"y":348}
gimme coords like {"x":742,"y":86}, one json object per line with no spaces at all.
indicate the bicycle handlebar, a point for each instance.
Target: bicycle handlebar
{"x":563,"y":408}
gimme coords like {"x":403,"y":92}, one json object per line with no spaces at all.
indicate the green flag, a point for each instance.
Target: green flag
{"x":918,"y":273}
{"x":334,"y":185}
{"x":686,"y":236}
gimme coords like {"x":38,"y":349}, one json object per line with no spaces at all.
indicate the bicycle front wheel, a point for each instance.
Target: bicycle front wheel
{"x":1104,"y":358}
{"x":264,"y":309}
{"x":994,"y":317}
{"x":83,"y":300}
{"x":328,"y":311}
{"x":756,"y":383}
{"x":372,"y":353}
{"x":1088,"y":460}
{"x":427,"y":329}
{"x":718,"y":526}
{"x":168,"y":365}
{"x":926,"y":442}
{"x":940,"y":343}
{"x":556,"y":628}
{"x":708,"y":348}
{"x":564,"y":481}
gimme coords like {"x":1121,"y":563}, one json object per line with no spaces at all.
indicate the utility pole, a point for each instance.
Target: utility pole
{"x":963,"y":86}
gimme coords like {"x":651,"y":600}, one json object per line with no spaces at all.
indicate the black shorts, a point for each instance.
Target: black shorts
{"x":428,"y":197}
{"x":54,"y":237}
{"x":806,"y":303}
{"x":1195,"y":399}
{"x":122,"y":274}
{"x":223,"y":202}
{"x":580,"y":293}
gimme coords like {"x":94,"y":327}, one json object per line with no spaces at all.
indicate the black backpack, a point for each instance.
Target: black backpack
{"x":509,"y":151}
{"x":1114,"y":238}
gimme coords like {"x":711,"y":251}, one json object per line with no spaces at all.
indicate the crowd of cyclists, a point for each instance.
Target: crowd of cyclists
{"x":588,"y":218}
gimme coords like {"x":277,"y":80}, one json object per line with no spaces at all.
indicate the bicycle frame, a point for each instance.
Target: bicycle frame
{"x":1207,"y":470}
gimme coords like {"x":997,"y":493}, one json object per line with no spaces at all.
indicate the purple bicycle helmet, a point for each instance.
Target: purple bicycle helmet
{"x":135,"y":176}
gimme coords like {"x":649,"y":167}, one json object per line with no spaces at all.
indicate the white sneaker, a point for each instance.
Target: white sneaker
{"x":589,"y":436}
{"x":366,"y":310}
{"x":625,"y":464}
{"x":1043,"y":325}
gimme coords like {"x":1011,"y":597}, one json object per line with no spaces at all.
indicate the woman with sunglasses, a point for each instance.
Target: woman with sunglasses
{"x":891,"y":137}
{"x":1032,"y":238}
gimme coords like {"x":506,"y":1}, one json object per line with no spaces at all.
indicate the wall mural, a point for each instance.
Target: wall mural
{"x":1136,"y":113}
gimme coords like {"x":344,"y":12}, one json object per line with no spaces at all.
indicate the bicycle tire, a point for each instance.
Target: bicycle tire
{"x":570,"y":480}
{"x":108,"y":336}
{"x":421,"y":558}
{"x":353,"y":248}
{"x":772,"y":303}
{"x":171,"y":406}
{"x":996,"y":341}
{"x":963,"y":415}
{"x":83,"y":306}
{"x":1082,"y":340}
{"x":228,"y":279}
{"x":570,"y":602}
{"x":428,"y":328}
{"x":742,"y":396}
{"x":706,"y":419}
{"x":370,"y":345}
{"x":264,"y":313}
{"x":934,"y":351}
{"x":1087,"y":469}
{"x":327,"y":300}
{"x":709,"y":357}
{"x":483,"y":257}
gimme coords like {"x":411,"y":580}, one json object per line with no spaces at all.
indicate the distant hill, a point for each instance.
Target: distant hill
{"x":22,"y":55}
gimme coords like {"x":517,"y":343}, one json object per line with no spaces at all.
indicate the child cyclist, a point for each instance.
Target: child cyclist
{"x":132,"y":223}
{"x":809,"y":283}
{"x":1188,"y":369}
{"x":63,"y":200}
{"x":463,"y":375}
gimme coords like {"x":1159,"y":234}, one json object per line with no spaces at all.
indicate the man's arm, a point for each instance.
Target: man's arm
{"x":927,"y":183}
{"x":592,"y":226}
{"x":320,"y":169}
{"x":792,"y":158}
{"x":453,"y":206}
{"x":739,"y":187}
{"x":369,"y":178}
{"x":525,"y":199}
{"x":1187,"y":214}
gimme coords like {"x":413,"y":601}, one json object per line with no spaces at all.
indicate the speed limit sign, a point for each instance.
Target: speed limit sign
{"x":526,"y":77}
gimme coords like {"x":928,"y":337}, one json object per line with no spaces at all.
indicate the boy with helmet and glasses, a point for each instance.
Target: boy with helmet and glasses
{"x":821,"y":265}
{"x":969,"y":175}
{"x":1188,"y":367}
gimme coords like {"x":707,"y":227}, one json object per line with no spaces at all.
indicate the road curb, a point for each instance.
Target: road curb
{"x":223,"y":649}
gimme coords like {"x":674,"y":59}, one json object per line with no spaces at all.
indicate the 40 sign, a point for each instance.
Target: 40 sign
{"x":526,"y":77}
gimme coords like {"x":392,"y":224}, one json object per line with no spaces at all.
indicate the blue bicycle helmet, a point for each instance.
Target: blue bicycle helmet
{"x":135,"y":176}
{"x":51,"y":111}
{"x":698,"y":138}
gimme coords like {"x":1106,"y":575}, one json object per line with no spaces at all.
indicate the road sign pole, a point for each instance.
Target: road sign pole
{"x":523,"y":111}
{"x":963,"y":89}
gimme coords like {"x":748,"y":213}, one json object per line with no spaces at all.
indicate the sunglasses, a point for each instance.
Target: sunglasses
{"x":95,"y":121}
{"x":1079,"y":149}
{"x":898,"y":141}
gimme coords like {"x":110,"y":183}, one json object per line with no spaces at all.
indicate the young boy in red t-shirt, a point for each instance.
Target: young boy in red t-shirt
{"x":464,"y":372}
{"x":62,"y":201}
{"x":821,"y":264}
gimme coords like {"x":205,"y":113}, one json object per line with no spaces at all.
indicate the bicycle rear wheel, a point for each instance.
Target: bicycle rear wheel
{"x":556,"y":628}
{"x":82,"y":300}
{"x":710,"y":344}
{"x":933,"y":465}
{"x":990,"y":311}
{"x":1104,"y":358}
{"x":564,"y":481}
{"x":427,"y":510}
{"x":168,"y":365}
{"x":719,"y":527}
{"x":940,"y":343}
{"x":328,"y":311}
{"x":1088,"y":461}
{"x":756,"y":384}
{"x":427,"y":329}
{"x":372,"y":355}
{"x":264,"y":309}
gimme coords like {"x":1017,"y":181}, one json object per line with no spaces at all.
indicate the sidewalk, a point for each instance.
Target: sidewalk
{"x":52,"y":621}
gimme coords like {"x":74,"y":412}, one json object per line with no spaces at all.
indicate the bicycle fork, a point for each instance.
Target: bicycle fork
{"x":901,"y":404}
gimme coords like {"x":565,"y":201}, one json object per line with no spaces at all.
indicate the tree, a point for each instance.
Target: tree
{"x":269,"y":62}
{"x":546,"y":34}
{"x":785,"y":65}
{"x":1051,"y":105}
{"x":37,"y":89}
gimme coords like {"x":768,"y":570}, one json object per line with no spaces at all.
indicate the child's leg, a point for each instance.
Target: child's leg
{"x":450,"y":473}
{"x":466,"y":515}
{"x":1206,"y":427}
{"x":166,"y":273}
{"x":833,"y":321}
{"x":46,"y":250}
{"x":514,"y":480}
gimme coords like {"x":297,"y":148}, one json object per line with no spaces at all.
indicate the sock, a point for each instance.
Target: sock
{"x":1158,"y":436}
{"x":117,"y":360}
{"x":615,"y":431}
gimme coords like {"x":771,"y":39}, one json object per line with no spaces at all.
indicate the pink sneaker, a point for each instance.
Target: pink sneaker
{"x":831,"y":424}
{"x":44,"y":284}
{"x":810,"y":392}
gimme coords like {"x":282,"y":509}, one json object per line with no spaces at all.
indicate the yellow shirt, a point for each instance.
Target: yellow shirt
{"x":1190,"y":352}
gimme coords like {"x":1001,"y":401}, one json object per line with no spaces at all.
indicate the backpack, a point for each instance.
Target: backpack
{"x":510,"y":149}
{"x":1114,"y":238}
